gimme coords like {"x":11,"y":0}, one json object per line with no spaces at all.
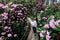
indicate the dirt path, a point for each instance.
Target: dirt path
{"x":31,"y":34}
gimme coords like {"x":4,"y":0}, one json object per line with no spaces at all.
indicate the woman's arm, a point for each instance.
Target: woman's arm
{"x":29,"y":20}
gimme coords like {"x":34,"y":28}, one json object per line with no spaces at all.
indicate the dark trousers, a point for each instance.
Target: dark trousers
{"x":34,"y":29}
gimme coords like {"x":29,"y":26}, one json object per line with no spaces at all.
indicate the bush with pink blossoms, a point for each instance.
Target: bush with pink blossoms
{"x":13,"y":20}
{"x":51,"y":23}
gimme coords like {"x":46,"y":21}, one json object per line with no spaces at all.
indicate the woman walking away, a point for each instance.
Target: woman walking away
{"x":33,"y":24}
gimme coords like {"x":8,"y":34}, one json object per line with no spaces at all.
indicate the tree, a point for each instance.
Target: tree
{"x":4,"y":1}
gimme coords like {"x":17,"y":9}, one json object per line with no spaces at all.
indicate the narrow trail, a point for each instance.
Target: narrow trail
{"x":31,"y":34}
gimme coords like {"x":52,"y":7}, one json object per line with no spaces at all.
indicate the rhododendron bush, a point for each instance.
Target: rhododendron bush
{"x":49,"y":24}
{"x":12,"y":21}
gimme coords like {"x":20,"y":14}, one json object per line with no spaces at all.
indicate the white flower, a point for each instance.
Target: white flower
{"x":41,"y":11}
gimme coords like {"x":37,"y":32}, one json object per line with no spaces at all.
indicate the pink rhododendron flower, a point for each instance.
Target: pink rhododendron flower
{"x":19,"y":13}
{"x":1,"y":5}
{"x":44,"y":18}
{"x":3,"y":33}
{"x":52,"y":20}
{"x":9,"y":27}
{"x":15,"y":35}
{"x":4,"y":14}
{"x":51,"y":17}
{"x":20,"y":10}
{"x":46,"y":26}
{"x":6,"y":27}
{"x":1,"y":38}
{"x":5,"y":17}
{"x":9,"y":35}
{"x":12,"y":9}
{"x":0,"y":21}
{"x":48,"y":37}
{"x":56,"y":23}
{"x":5,"y":6}
{"x":42,"y":33}
{"x":48,"y":33}
{"x":52,"y":25}
{"x":45,"y":33}
{"x":14,"y":5}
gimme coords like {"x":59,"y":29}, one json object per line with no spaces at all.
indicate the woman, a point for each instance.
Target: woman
{"x":33,"y":24}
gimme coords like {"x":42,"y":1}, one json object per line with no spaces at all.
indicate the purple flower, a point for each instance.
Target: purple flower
{"x":46,"y":26}
{"x":9,"y":35}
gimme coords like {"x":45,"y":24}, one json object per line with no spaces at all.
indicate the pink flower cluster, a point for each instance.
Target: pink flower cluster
{"x":16,"y":14}
{"x":52,"y":23}
{"x":44,"y":18}
{"x":45,"y":33}
{"x":51,"y":17}
{"x":57,"y":23}
{"x":46,"y":26}
{"x":5,"y":15}
{"x":1,"y":5}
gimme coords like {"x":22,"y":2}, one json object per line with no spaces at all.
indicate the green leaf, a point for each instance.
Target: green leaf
{"x":57,"y":29}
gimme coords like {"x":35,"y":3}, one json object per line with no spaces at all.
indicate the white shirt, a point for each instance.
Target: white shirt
{"x":34,"y":23}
